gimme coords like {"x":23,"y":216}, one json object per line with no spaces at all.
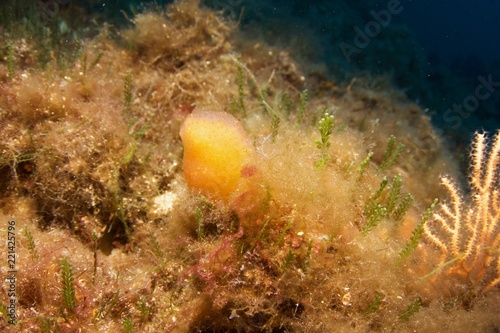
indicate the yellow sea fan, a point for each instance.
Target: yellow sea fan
{"x":467,"y":232}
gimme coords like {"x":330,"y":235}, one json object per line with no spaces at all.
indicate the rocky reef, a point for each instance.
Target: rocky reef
{"x":182,"y":175}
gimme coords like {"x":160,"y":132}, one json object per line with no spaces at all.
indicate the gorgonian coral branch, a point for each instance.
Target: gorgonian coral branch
{"x":469,"y":229}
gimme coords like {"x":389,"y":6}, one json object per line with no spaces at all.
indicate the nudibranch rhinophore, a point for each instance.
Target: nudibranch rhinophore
{"x":216,"y":154}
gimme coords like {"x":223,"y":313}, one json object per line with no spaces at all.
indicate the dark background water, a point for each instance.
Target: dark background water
{"x":444,"y":54}
{"x":456,"y":29}
{"x":461,"y":42}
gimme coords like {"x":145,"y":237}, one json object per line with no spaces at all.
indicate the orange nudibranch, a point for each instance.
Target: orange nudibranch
{"x":216,"y":154}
